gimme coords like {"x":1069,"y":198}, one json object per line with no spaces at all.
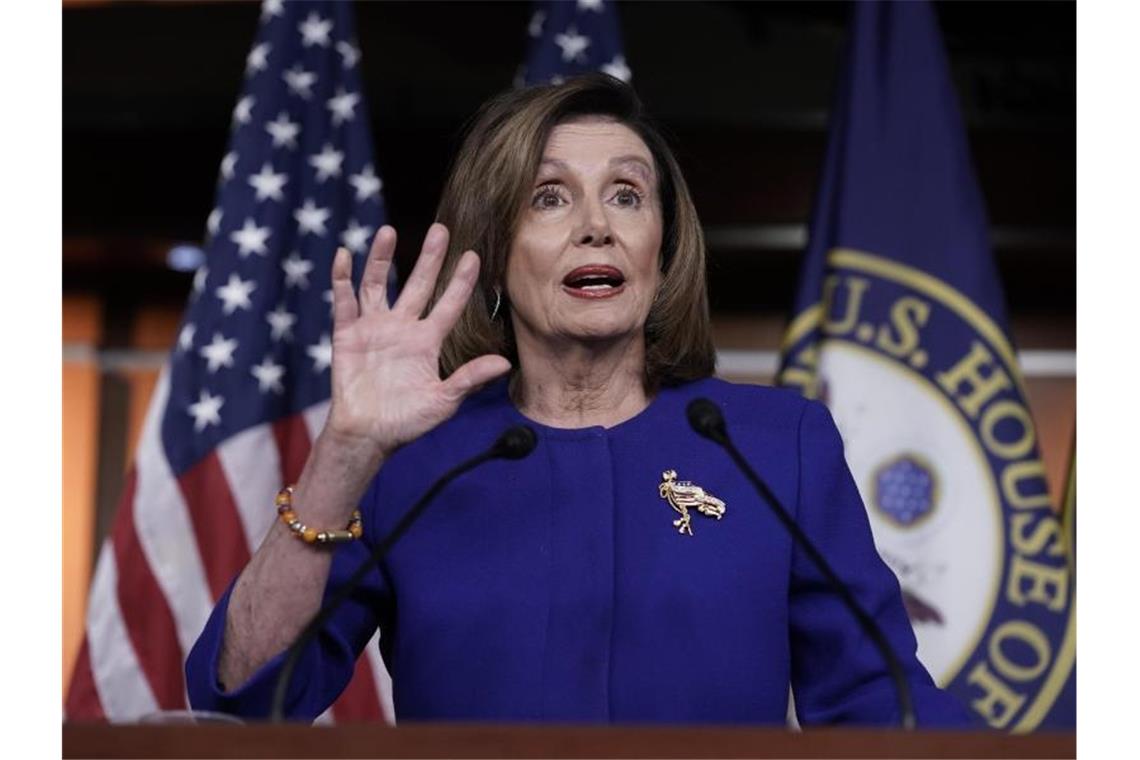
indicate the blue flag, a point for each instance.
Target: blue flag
{"x":900,"y":328}
{"x":569,"y":38}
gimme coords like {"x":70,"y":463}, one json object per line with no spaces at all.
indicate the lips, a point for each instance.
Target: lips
{"x":594,"y":281}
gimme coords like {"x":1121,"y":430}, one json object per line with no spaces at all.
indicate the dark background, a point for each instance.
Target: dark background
{"x":742,"y":88}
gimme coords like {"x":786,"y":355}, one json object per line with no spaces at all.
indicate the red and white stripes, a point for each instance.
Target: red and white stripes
{"x":175,"y":545}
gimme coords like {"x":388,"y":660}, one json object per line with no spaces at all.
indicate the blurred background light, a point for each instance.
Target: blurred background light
{"x":185,"y":257}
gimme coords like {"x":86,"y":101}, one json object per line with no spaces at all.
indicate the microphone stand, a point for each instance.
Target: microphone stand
{"x":515,"y":443}
{"x":706,"y":419}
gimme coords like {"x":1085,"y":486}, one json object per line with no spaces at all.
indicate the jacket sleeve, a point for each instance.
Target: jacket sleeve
{"x":838,"y":675}
{"x":325,"y":666}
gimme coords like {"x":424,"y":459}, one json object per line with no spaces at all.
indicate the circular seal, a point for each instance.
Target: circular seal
{"x":925,"y":390}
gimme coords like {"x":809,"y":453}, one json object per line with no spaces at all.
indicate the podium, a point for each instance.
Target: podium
{"x":438,"y":740}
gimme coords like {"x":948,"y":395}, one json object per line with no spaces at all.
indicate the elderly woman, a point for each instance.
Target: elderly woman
{"x":574,"y":585}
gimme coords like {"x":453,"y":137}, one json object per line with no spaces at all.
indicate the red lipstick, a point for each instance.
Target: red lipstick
{"x":594,"y":281}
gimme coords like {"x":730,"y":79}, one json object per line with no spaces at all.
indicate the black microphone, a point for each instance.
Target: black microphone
{"x":515,"y":443}
{"x":706,"y":419}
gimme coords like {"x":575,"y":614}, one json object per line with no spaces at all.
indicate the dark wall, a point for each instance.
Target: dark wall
{"x":744,"y":88}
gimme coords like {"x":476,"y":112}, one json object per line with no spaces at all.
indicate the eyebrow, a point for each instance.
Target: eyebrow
{"x":634,"y":161}
{"x":630,"y":160}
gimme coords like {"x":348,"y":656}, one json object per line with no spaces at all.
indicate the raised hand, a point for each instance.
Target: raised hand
{"x":386,"y":388}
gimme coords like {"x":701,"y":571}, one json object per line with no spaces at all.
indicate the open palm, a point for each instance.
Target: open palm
{"x":386,"y":388}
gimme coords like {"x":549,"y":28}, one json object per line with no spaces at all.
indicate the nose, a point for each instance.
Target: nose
{"x":595,"y":226}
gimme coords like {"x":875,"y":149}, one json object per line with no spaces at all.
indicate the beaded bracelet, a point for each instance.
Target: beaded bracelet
{"x":352,"y":531}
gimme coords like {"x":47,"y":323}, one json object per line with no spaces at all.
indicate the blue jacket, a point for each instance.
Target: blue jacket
{"x":558,"y":588}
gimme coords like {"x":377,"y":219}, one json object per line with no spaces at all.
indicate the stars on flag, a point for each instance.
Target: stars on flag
{"x":367,"y":184}
{"x":281,"y":323}
{"x":251,"y":238}
{"x":272,"y":8}
{"x":321,"y":354}
{"x":311,"y":218}
{"x":214,"y":221}
{"x":229,"y":164}
{"x":186,"y":337}
{"x":243,"y":111}
{"x":258,"y":58}
{"x":534,"y":28}
{"x":342,"y":106}
{"x":571,"y":38}
{"x":268,"y":375}
{"x":268,"y":183}
{"x":296,"y":271}
{"x":219,"y":352}
{"x":297,"y":180}
{"x":300,"y":82}
{"x":235,"y":294}
{"x":617,"y":68}
{"x":315,"y":30}
{"x":283,"y":132}
{"x":573,"y":44}
{"x":327,"y":162}
{"x":355,"y":238}
{"x":348,"y":53}
{"x":200,"y":279}
{"x":205,"y":410}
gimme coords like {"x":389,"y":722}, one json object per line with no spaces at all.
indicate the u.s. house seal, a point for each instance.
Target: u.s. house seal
{"x":925,"y":389}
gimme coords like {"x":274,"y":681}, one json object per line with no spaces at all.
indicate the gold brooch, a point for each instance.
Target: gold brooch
{"x":681,"y":494}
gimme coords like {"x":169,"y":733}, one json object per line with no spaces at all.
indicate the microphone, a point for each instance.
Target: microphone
{"x":707,"y":420}
{"x":516,"y":442}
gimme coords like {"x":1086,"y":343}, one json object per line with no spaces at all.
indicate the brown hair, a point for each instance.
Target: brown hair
{"x":489,"y":184}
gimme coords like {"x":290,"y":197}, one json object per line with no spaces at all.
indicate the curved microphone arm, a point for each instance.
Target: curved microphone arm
{"x":515,"y":443}
{"x":706,"y":419}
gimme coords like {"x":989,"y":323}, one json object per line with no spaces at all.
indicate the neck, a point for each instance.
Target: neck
{"x":581,"y":384}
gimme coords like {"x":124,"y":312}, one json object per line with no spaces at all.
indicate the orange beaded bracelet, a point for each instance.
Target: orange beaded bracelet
{"x":352,"y":531}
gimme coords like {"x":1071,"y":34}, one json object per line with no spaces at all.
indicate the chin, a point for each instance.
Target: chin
{"x":602,"y":328}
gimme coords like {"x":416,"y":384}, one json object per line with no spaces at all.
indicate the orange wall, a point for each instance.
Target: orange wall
{"x":81,"y":329}
{"x":1053,"y":403}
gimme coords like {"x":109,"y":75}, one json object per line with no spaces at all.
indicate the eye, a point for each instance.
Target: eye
{"x":628,"y":196}
{"x":547,"y":196}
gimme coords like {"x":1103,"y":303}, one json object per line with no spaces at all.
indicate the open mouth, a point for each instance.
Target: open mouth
{"x":594,"y":281}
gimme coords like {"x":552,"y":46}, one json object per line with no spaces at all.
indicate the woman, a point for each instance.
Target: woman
{"x":575,"y":585}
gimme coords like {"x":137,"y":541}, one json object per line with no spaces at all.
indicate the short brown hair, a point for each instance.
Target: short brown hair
{"x":489,"y":184}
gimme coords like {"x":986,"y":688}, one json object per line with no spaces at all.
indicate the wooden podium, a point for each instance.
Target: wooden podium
{"x":492,"y":740}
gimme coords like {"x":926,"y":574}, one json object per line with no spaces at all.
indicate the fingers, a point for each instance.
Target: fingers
{"x":345,"y":309}
{"x":475,"y":373}
{"x":447,"y":310}
{"x":374,"y":282}
{"x":421,"y":282}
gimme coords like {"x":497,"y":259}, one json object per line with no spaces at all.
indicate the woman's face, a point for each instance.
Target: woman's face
{"x":584,"y":263}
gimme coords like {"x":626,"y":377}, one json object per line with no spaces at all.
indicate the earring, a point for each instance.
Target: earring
{"x":498,"y":301}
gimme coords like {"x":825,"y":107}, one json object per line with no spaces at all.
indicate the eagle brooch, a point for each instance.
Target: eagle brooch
{"x":683,"y":495}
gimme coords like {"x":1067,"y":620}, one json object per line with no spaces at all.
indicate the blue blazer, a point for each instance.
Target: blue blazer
{"x":558,"y":588}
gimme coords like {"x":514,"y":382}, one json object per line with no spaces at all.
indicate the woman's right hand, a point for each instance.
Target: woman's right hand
{"x":386,"y":388}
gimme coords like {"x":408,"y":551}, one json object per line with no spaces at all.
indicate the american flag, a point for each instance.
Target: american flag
{"x":568,"y":38}
{"x":246,"y":387}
